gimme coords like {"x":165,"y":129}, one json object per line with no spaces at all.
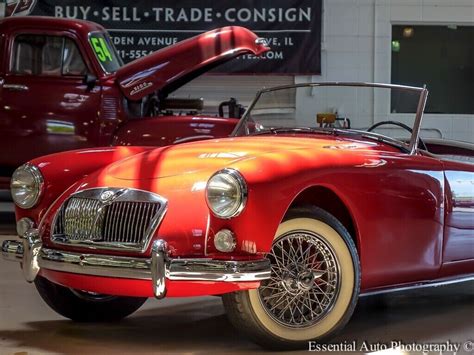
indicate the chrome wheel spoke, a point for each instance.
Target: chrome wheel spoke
{"x":274,"y":295}
{"x":304,"y":282}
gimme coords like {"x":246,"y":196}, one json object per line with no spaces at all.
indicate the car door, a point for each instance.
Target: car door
{"x":45,"y":107}
{"x":459,"y":219}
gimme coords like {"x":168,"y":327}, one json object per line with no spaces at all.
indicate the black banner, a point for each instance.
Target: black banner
{"x":292,"y":28}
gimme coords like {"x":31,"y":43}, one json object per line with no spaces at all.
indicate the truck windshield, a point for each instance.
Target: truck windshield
{"x":105,"y":51}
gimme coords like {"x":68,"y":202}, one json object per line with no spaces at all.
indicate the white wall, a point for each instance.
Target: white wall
{"x":218,"y":88}
{"x":357,"y":47}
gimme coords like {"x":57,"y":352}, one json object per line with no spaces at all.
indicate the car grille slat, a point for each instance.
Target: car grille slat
{"x":112,"y":215}
{"x":88,"y":220}
{"x":113,"y":222}
{"x":126,"y":208}
{"x":120,"y":214}
{"x":136,"y":224}
{"x":123,"y":225}
{"x":132,"y":223}
{"x":128,"y":217}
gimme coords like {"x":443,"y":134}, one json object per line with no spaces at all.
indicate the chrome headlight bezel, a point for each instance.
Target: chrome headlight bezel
{"x":233,"y":176}
{"x":37,"y":187}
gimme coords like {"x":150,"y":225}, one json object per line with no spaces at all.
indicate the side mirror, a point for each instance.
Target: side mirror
{"x":90,"y":80}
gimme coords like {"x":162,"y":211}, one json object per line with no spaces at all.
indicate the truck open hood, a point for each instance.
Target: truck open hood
{"x":169,"y":68}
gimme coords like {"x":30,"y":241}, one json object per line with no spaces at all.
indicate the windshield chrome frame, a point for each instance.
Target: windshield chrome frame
{"x":415,"y":136}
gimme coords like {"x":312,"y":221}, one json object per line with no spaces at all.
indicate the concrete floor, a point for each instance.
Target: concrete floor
{"x":199,"y":325}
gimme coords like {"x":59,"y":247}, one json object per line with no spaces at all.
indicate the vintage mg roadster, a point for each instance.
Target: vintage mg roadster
{"x":291,"y":219}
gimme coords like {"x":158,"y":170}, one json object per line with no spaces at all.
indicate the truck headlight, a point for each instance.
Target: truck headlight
{"x":226,"y":193}
{"x":26,"y":186}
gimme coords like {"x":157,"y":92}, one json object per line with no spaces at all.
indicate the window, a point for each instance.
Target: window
{"x":51,"y":56}
{"x":442,"y":57}
{"x":46,"y":55}
{"x":72,"y":59}
{"x":105,"y":51}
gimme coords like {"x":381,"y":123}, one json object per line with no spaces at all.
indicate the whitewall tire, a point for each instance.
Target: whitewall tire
{"x":314,"y":285}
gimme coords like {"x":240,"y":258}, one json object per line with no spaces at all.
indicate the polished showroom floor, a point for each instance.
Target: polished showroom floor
{"x":199,"y":325}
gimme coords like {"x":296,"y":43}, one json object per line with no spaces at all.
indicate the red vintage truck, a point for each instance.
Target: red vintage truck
{"x":63,"y":87}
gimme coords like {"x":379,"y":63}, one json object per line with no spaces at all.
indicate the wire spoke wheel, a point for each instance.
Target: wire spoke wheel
{"x":305,"y":280}
{"x":313,"y":287}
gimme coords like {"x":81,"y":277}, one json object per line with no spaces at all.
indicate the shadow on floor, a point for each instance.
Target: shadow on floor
{"x":421,"y":316}
{"x":7,"y":223}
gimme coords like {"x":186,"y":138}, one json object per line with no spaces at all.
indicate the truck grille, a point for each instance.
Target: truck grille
{"x":111,"y":218}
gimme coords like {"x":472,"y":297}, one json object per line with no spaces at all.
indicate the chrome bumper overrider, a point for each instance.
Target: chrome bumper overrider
{"x":158,"y":268}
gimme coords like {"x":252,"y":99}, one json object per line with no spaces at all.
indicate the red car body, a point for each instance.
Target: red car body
{"x":410,"y":214}
{"x":421,"y":188}
{"x":46,"y":113}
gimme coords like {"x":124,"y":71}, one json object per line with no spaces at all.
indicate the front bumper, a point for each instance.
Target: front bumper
{"x":34,"y":257}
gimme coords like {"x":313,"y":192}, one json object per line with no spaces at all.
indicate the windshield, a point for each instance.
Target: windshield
{"x":105,"y":51}
{"x":331,"y":106}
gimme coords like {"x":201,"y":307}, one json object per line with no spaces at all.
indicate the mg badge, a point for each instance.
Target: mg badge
{"x":107,"y":196}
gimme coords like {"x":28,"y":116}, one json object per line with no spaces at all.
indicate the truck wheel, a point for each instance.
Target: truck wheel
{"x":314,"y":285}
{"x":82,"y":306}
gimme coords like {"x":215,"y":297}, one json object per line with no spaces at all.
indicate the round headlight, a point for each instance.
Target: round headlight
{"x":26,"y":186}
{"x":226,"y":193}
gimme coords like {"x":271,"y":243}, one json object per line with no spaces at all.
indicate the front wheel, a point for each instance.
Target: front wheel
{"x":314,"y":284}
{"x":82,"y":306}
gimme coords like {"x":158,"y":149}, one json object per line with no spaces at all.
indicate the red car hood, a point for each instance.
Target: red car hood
{"x":213,"y":155}
{"x":173,"y":66}
{"x":186,"y":158}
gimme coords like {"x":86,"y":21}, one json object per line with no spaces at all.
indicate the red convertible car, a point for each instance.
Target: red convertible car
{"x":79,"y":95}
{"x":291,"y":219}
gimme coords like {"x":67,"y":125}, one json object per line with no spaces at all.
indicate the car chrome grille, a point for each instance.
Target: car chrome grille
{"x":126,"y":218}
{"x":80,"y":217}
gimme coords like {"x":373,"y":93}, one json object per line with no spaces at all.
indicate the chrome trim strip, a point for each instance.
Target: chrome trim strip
{"x":415,"y":135}
{"x":151,"y":269}
{"x":421,"y":285}
{"x":122,"y":195}
{"x":97,"y":265}
{"x":157,"y":268}
{"x":219,"y":270}
{"x":30,"y":253}
{"x":12,"y":250}
{"x":15,"y":87}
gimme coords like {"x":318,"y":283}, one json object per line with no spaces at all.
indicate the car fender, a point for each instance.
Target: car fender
{"x":400,"y":185}
{"x":62,"y":170}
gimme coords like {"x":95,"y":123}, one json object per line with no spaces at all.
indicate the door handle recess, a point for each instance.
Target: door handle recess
{"x":15,"y":87}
